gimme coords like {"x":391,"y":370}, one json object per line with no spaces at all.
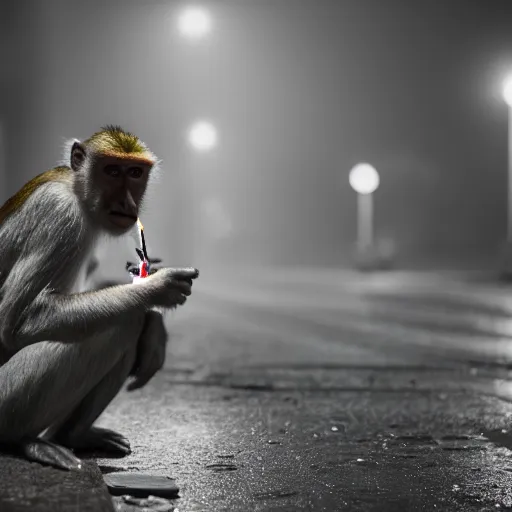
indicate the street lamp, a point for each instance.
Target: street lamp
{"x":364,"y":179}
{"x":507,"y":95}
{"x":194,"y":23}
{"x":202,"y":136}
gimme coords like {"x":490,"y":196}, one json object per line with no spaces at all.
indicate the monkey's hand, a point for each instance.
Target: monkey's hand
{"x":170,"y":287}
{"x":150,"y":350}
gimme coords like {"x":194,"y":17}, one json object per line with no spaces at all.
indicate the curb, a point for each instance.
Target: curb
{"x":27,"y":486}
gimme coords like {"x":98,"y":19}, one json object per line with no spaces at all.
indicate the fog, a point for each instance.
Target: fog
{"x":299,"y":92}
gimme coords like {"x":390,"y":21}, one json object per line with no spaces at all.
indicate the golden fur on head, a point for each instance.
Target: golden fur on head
{"x":116,"y":142}
{"x":110,"y":141}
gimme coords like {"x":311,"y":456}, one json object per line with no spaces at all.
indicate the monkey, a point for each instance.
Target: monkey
{"x":65,"y":353}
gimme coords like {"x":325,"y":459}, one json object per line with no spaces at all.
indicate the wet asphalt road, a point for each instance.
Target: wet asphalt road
{"x":317,"y":390}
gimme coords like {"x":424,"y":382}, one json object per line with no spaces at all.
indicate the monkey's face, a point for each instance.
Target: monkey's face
{"x":121,"y":184}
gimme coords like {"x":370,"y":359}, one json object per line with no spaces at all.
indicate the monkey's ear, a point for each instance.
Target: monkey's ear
{"x":77,"y":156}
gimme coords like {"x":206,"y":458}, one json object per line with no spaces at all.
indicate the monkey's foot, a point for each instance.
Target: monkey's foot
{"x":102,"y":440}
{"x":48,"y":453}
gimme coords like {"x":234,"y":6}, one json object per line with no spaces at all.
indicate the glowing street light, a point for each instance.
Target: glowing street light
{"x":194,"y":23}
{"x":364,"y":179}
{"x":507,"y":96}
{"x":507,"y":91}
{"x":203,"y":136}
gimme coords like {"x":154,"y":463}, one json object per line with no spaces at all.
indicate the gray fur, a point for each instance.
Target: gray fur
{"x":60,"y":347}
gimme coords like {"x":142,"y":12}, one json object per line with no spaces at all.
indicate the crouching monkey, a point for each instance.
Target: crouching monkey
{"x":64,"y":353}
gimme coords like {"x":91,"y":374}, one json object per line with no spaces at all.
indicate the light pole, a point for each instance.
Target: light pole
{"x":364,"y":179}
{"x":507,"y":95}
{"x":194,"y":24}
{"x":202,"y":138}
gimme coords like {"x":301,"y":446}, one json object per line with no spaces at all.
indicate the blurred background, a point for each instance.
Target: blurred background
{"x":291,"y":95}
{"x":262,"y":112}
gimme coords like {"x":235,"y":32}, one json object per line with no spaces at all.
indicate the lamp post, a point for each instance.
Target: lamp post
{"x":507,"y":95}
{"x":202,"y":138}
{"x":194,"y":24}
{"x":364,"y":179}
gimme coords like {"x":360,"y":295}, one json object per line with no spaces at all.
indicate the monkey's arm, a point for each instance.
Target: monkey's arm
{"x":50,"y":315}
{"x":150,"y":350}
{"x":34,"y":303}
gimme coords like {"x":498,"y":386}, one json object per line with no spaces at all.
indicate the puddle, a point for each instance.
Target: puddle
{"x":221,"y":467}
{"x":463,"y":443}
{"x":272,"y":495}
{"x":501,"y":438}
{"x":418,"y":440}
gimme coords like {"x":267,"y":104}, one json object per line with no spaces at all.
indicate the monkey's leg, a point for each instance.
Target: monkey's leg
{"x":47,"y":381}
{"x":38,"y":384}
{"x":77,"y":432}
{"x":46,"y":452}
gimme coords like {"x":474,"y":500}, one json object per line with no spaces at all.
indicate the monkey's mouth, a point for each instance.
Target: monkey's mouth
{"x":122,"y":220}
{"x":121,"y":214}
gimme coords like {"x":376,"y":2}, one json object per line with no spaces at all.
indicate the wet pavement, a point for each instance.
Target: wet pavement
{"x":26,"y":486}
{"x":315,"y":390}
{"x":327,"y":451}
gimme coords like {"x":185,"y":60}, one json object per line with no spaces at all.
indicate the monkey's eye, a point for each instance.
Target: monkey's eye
{"x":135,"y":172}
{"x":112,"y":170}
